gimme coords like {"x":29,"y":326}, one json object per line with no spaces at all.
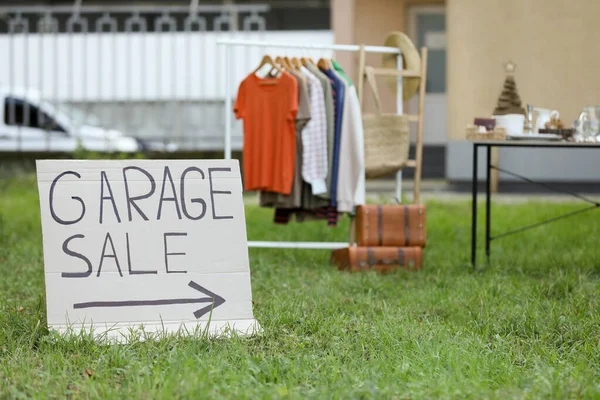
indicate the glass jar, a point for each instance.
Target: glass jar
{"x":588,"y":126}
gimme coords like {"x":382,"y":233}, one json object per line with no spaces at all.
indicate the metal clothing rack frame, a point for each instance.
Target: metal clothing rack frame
{"x":229,"y":44}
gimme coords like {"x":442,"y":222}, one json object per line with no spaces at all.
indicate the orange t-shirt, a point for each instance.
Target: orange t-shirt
{"x":269,"y":113}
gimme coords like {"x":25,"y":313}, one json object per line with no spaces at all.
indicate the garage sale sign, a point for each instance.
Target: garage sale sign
{"x":158,"y":245}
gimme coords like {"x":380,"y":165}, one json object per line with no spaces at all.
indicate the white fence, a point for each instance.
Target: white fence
{"x":135,"y":66}
{"x":165,"y":83}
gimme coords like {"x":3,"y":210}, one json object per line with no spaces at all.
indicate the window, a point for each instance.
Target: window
{"x":18,"y":112}
{"x":429,"y":30}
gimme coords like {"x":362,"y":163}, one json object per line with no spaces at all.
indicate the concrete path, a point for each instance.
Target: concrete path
{"x":438,"y":190}
{"x":442,"y":191}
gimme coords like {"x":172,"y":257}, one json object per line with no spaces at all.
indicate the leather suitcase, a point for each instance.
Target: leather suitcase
{"x":395,"y":225}
{"x":380,"y":259}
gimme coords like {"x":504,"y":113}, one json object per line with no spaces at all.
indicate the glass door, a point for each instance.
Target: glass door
{"x":427,"y":27}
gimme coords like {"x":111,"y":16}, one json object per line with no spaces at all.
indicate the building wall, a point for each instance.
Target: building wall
{"x":553,"y":43}
{"x":371,"y":22}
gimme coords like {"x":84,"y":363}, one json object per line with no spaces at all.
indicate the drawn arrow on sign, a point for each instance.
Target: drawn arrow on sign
{"x":213,"y":298}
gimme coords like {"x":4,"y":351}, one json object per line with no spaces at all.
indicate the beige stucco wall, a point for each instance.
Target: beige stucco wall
{"x":342,"y":23}
{"x":373,"y":20}
{"x":554,"y":44}
{"x":369,"y":22}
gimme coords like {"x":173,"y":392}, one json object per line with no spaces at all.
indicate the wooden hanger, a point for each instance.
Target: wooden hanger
{"x":265,"y":61}
{"x":296,"y":63}
{"x":279,"y":61}
{"x":323,"y":64}
{"x":307,"y":60}
{"x":289,"y":63}
{"x":280,"y":64}
{"x":268,"y":60}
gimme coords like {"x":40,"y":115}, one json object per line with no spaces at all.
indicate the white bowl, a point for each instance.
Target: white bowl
{"x":513,"y":123}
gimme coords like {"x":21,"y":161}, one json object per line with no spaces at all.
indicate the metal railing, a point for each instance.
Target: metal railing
{"x":88,"y":74}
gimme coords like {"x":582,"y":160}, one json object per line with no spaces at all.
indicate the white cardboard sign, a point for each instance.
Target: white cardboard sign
{"x":157,"y":244}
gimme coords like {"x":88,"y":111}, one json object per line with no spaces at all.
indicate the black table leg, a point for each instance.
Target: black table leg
{"x":487,"y":202}
{"x":474,"y":208}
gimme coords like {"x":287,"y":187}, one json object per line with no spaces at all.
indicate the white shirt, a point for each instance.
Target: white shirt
{"x":351,"y":186}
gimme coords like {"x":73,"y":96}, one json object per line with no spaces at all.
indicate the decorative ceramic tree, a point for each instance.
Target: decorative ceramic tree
{"x":509,"y":101}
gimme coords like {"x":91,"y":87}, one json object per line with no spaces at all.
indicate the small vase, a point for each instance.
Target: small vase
{"x":588,"y":127}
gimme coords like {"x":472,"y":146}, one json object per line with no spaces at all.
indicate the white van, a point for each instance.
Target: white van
{"x":30,"y":124}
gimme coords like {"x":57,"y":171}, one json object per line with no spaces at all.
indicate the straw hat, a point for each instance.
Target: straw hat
{"x":411,"y":60}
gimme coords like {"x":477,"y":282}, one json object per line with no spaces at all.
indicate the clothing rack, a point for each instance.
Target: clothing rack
{"x":229,"y":44}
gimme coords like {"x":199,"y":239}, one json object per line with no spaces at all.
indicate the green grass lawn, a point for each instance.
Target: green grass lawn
{"x":526,"y":326}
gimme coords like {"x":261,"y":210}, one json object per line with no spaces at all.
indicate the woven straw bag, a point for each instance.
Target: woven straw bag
{"x":386,"y":136}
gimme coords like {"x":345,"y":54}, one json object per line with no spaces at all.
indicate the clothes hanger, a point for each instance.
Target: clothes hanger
{"x":280,"y":63}
{"x":289,"y":63}
{"x":323,"y":64}
{"x":268,"y":60}
{"x":265,"y":61}
{"x":283,"y":62}
{"x":296,"y":63}
{"x":305,"y":60}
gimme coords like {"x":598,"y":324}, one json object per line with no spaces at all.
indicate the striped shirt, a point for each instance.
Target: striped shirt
{"x":314,"y":138}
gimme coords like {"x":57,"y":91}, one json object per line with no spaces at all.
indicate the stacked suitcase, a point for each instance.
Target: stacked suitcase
{"x":388,"y":237}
